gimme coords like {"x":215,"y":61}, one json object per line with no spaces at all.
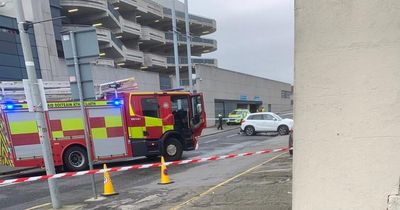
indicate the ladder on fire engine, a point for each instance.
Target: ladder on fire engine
{"x":61,"y":91}
{"x":54,"y":90}
{"x":124,"y":85}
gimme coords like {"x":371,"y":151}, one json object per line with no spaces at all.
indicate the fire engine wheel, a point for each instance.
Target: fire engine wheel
{"x":75,"y":159}
{"x":173,"y":149}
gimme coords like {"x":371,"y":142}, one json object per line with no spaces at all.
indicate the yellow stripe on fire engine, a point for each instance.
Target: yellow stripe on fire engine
{"x":71,"y":124}
{"x":167,"y":128}
{"x":99,"y":133}
{"x":131,"y":112}
{"x":136,"y":132}
{"x":23,"y":127}
{"x":5,"y":158}
{"x":152,"y":121}
{"x":113,"y":121}
{"x":57,"y":134}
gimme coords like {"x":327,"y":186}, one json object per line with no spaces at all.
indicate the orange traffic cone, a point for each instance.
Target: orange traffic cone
{"x":108,"y":186}
{"x":164,"y":173}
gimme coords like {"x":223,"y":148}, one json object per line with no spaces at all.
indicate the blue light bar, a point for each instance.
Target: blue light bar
{"x":9,"y":105}
{"x":116,"y":102}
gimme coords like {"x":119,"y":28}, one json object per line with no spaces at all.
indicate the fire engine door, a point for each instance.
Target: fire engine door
{"x":156,"y":114}
{"x":197,"y":113}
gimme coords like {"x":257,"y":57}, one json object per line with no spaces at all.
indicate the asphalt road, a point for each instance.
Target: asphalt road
{"x":139,"y":189}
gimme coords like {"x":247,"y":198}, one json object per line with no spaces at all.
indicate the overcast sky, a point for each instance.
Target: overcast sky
{"x":254,"y":36}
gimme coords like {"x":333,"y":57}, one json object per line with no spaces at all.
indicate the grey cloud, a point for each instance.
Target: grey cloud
{"x":254,"y":36}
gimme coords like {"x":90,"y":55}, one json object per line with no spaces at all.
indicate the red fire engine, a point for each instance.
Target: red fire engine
{"x":137,"y":124}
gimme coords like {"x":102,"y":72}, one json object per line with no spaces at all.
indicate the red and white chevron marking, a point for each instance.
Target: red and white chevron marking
{"x":142,"y":166}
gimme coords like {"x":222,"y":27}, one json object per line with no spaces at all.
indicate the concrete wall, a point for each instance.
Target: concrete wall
{"x":347,"y":85}
{"x":38,"y":10}
{"x":147,"y":81}
{"x":45,"y":40}
{"x":217,"y":83}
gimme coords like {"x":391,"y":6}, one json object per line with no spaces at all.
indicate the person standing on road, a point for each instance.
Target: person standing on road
{"x":220,"y":122}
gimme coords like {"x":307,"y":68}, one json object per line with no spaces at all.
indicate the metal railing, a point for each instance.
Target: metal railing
{"x":194,"y":39}
{"x":184,"y":82}
{"x":203,"y":40}
{"x":170,"y":36}
{"x":184,"y":60}
{"x":210,"y":61}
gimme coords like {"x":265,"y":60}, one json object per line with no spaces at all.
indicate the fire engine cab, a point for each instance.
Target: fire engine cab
{"x":136,"y":124}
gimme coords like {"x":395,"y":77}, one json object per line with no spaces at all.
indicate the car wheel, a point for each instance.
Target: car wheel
{"x":283,"y":130}
{"x":173,"y":149}
{"x":249,"y":131}
{"x":75,"y":159}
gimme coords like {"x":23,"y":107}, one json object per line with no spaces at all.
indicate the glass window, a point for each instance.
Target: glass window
{"x":255,"y":117}
{"x":165,"y":82}
{"x":150,"y":107}
{"x":11,"y":73}
{"x":286,"y":94}
{"x":9,"y":60}
{"x":12,"y":64}
{"x":268,"y":117}
{"x":237,"y":112}
{"x":8,"y":48}
{"x":7,"y":21}
{"x":197,"y":109}
{"x":179,"y":103}
{"x":277,"y":116}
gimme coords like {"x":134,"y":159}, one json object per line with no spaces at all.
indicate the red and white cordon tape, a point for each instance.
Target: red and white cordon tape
{"x":142,"y":166}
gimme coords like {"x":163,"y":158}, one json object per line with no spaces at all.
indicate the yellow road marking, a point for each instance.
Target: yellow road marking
{"x":39,"y":206}
{"x":222,"y":183}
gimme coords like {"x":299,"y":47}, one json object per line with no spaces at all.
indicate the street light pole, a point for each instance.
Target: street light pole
{"x":81,"y":104}
{"x":188,"y":46}
{"x":37,"y":104}
{"x":175,"y":34}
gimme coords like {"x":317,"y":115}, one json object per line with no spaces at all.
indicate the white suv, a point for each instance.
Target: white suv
{"x":265,"y":122}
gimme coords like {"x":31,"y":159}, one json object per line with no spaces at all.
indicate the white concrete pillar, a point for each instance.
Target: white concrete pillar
{"x":347,"y":102}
